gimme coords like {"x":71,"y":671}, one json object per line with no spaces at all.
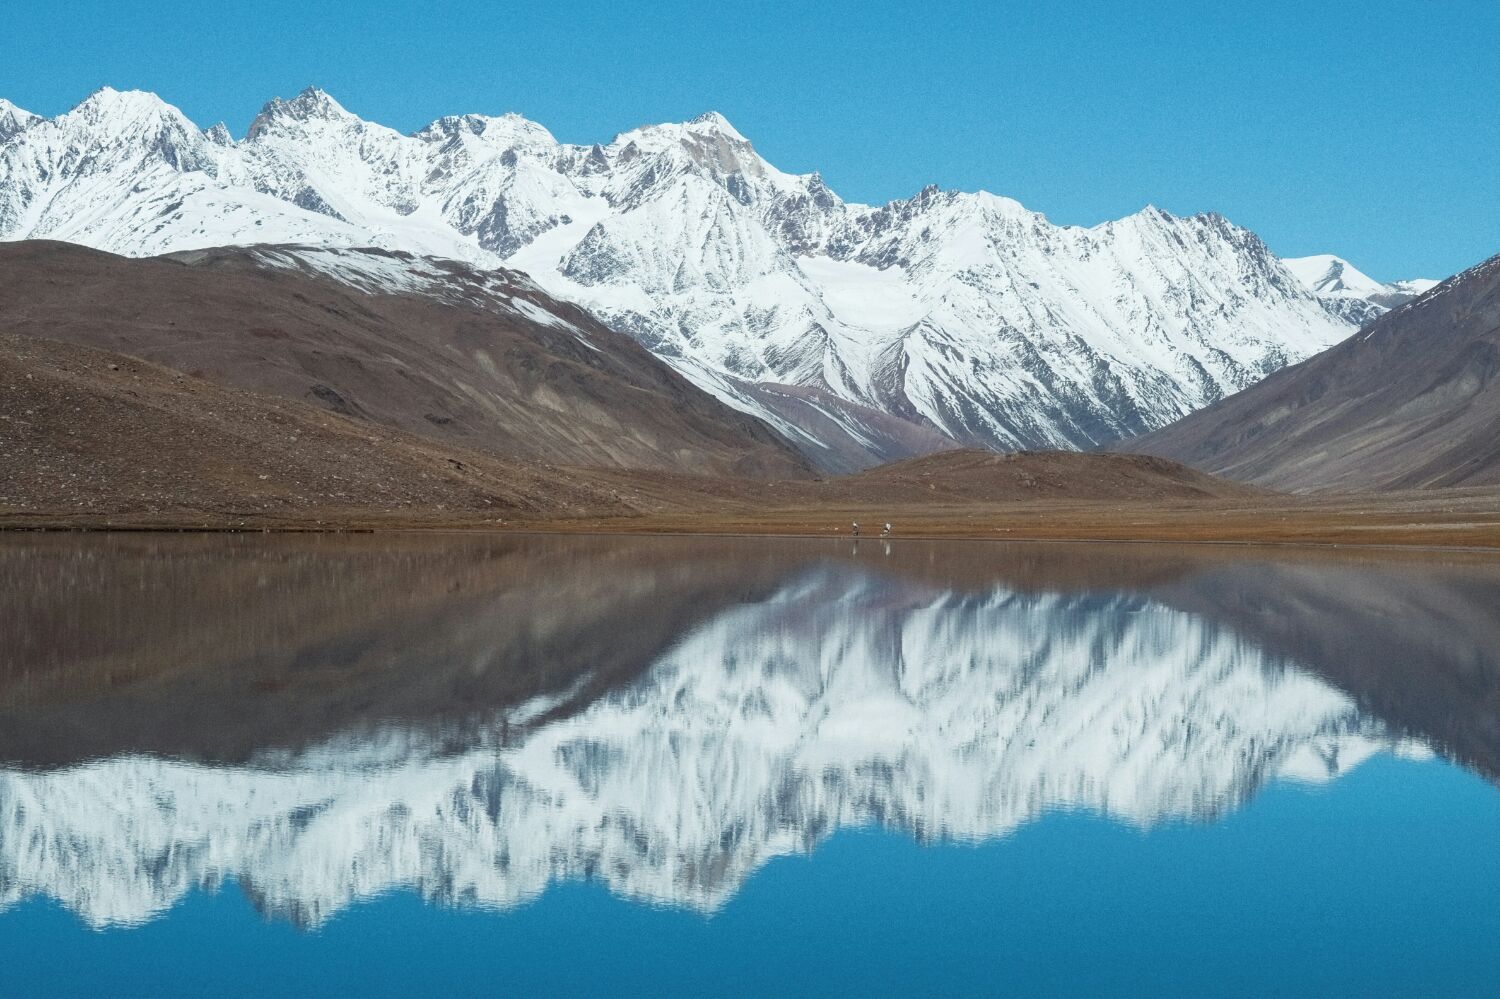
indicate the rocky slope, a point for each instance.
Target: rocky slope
{"x":479,"y":360}
{"x":862,"y":333}
{"x":14,"y":119}
{"x":112,"y":439}
{"x":1412,"y":401}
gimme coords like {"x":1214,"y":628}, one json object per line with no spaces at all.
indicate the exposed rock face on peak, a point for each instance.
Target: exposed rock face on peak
{"x":311,"y":104}
{"x":114,"y":132}
{"x":1413,"y":400}
{"x":717,"y":122}
{"x":504,"y":131}
{"x":963,"y":317}
{"x":14,"y":119}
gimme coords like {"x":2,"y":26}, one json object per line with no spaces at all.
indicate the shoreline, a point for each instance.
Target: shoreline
{"x":1371,"y":528}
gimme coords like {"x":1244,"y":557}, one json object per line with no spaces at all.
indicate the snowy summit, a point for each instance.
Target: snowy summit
{"x":861,"y":333}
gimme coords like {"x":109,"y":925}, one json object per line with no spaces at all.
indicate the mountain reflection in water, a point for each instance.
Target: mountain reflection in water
{"x":322,"y":719}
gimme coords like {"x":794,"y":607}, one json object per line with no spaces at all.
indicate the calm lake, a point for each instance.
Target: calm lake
{"x":406,"y":764}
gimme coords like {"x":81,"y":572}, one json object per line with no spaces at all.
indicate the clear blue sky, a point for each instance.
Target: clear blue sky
{"x":1371,"y":130}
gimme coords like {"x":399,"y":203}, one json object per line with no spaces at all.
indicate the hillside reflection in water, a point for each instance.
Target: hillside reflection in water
{"x":322,"y":720}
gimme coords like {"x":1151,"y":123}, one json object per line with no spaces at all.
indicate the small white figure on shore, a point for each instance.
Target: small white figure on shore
{"x":885,"y":532}
{"x":856,"y":528}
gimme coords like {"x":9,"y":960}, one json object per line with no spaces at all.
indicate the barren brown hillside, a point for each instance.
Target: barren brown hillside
{"x":486,"y":361}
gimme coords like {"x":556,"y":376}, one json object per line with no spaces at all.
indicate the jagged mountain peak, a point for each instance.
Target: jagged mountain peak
{"x":117,"y":130}
{"x":310,"y":102}
{"x":708,"y":141}
{"x":713,"y":121}
{"x":1154,"y":216}
{"x":707,"y":123}
{"x":1217,"y":219}
{"x":121,"y":111}
{"x":1325,"y":273}
{"x":506,"y":130}
{"x":14,"y":119}
{"x":1349,"y":292}
{"x":311,"y":106}
{"x":107,"y":96}
{"x":949,"y":315}
{"x":998,"y":204}
{"x":1205,"y":232}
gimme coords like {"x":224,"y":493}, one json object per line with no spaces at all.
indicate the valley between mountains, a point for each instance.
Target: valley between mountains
{"x":328,"y":324}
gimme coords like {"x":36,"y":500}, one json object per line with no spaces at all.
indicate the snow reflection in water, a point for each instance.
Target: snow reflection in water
{"x":820,"y":691}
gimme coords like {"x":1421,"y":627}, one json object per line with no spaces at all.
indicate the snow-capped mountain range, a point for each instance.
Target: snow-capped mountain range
{"x":843,"y":699}
{"x":1350,"y":292}
{"x":860,"y":332}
